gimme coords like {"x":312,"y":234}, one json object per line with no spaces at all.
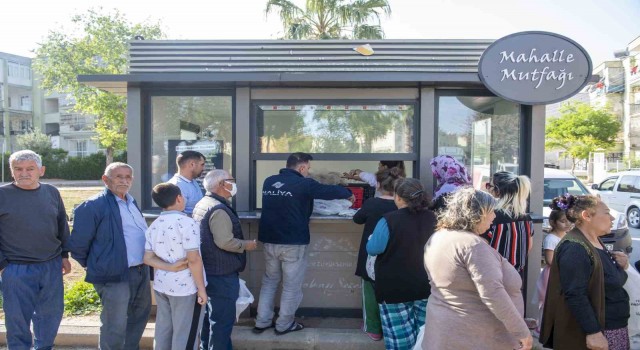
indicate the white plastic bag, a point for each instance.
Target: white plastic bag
{"x":333,"y":207}
{"x":419,"y":339}
{"x":632,"y":286}
{"x":371,"y":266}
{"x":244,"y":299}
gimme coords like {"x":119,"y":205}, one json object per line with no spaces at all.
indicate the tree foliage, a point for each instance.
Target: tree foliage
{"x":580,"y":130}
{"x":96,"y":43}
{"x":331,"y":19}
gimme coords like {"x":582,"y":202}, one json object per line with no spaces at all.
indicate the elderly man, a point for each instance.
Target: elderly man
{"x":287,"y":203}
{"x":108,"y":240}
{"x":33,"y":254}
{"x":223,"y":254}
{"x":190,"y":166}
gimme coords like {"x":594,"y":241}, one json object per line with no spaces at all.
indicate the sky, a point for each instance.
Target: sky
{"x":601,"y":27}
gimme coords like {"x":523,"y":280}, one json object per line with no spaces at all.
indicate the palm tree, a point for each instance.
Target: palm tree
{"x":331,"y":19}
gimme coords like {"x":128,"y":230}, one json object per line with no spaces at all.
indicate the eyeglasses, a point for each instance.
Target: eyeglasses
{"x":230,"y":180}
{"x":489,"y":186}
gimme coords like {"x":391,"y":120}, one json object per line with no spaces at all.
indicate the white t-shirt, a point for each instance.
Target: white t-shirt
{"x":170,"y":237}
{"x":550,"y":241}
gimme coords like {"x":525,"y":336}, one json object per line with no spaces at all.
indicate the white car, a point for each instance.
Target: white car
{"x":558,"y":182}
{"x":622,"y":193}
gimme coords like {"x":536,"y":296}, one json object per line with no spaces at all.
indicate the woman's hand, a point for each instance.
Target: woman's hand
{"x":621,"y":258}
{"x":526,"y":343}
{"x":597,"y":341}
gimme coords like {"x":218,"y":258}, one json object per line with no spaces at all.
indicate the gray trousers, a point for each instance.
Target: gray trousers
{"x":125,"y":310}
{"x":178,"y":322}
{"x":289,"y":264}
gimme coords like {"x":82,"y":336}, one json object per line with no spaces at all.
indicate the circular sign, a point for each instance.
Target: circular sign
{"x":535,"y":68}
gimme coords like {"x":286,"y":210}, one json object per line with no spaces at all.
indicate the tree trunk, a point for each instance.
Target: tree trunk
{"x":109,"y":155}
{"x":573,"y":166}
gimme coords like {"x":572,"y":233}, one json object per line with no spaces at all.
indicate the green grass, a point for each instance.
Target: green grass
{"x":72,"y":196}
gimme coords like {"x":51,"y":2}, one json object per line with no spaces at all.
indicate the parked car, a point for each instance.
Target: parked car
{"x":558,"y":182}
{"x":622,"y":193}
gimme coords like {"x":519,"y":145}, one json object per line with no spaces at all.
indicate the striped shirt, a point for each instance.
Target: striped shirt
{"x":511,"y":237}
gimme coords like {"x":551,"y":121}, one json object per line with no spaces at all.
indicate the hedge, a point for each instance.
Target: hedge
{"x":58,"y":166}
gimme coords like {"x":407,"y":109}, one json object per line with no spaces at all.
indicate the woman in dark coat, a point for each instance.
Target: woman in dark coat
{"x":372,"y":210}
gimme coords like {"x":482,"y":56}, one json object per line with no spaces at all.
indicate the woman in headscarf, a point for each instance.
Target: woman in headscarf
{"x":450,"y":175}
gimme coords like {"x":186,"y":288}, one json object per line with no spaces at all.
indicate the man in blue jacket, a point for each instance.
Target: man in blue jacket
{"x":287,"y":204}
{"x":108,"y":241}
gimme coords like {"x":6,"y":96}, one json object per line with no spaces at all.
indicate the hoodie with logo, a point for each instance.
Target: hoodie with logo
{"x":287,"y":204}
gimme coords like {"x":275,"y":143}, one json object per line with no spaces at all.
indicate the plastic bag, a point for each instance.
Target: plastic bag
{"x":333,"y":207}
{"x":632,"y":286}
{"x":371,"y":266}
{"x":244,"y":299}
{"x":419,"y":339}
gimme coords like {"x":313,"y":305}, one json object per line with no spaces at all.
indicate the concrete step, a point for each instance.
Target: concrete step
{"x":319,"y":334}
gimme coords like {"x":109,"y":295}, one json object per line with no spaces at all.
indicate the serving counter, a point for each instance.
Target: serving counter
{"x":330,"y":287}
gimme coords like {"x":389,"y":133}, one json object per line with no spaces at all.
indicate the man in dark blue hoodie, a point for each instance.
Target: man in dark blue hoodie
{"x":287,"y":204}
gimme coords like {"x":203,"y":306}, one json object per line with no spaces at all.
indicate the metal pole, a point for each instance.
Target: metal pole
{"x":3,"y":148}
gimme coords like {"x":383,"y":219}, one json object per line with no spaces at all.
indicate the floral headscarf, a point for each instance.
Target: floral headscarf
{"x":449,"y":173}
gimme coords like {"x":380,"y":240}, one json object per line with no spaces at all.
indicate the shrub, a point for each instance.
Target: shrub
{"x":81,"y":299}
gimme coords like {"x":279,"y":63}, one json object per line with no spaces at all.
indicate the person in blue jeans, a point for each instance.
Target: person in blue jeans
{"x":287,"y":204}
{"x":223,"y":249}
{"x":33,"y":254}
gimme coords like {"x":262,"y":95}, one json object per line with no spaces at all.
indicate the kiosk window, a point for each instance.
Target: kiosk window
{"x":180,"y":123}
{"x":483,"y":132}
{"x":353,"y":128}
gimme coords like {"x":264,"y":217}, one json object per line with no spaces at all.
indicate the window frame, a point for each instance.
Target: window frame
{"x":256,"y":156}
{"x":525,"y":120}
{"x":147,"y":130}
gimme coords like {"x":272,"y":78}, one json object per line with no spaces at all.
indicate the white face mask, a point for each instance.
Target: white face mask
{"x":234,"y":188}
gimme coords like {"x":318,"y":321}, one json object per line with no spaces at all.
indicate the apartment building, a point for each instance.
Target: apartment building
{"x":630,"y":60}
{"x":69,"y":130}
{"x":25,"y":106}
{"x":17,"y":99}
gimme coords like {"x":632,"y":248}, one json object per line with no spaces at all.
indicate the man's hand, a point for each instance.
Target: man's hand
{"x":202,"y":297}
{"x":597,"y":341}
{"x":250,"y":245}
{"x":66,"y":266}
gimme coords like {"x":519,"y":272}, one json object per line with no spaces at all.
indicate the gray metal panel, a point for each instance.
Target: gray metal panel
{"x":135,"y":141}
{"x":242,"y":148}
{"x":269,"y":56}
{"x":536,"y":158}
{"x":427,"y":135}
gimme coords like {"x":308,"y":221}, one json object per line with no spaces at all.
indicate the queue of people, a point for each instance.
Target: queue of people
{"x":451,"y":266}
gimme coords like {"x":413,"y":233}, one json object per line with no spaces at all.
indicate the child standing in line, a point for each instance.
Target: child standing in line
{"x":180,"y":295}
{"x":559,"y":227}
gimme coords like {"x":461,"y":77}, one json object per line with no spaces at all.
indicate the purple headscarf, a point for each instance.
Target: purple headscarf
{"x":449,"y":173}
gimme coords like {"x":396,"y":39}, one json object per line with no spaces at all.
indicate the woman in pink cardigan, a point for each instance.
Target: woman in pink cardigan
{"x":475,"y":300}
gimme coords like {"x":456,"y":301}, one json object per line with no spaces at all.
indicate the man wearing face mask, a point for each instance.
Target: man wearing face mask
{"x":287,"y":204}
{"x":223,"y":250}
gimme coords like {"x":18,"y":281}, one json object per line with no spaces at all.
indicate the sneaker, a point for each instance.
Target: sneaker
{"x":295,"y":326}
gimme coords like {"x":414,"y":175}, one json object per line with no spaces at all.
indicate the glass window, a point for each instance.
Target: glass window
{"x":628,"y":184}
{"x":350,"y":128}
{"x":483,"y":132}
{"x":607,"y":185}
{"x":558,"y":187}
{"x":180,"y":123}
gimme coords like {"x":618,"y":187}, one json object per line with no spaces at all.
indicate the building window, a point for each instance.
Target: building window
{"x":483,"y":132}
{"x":180,"y":123}
{"x":79,"y":148}
{"x":340,"y":136}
